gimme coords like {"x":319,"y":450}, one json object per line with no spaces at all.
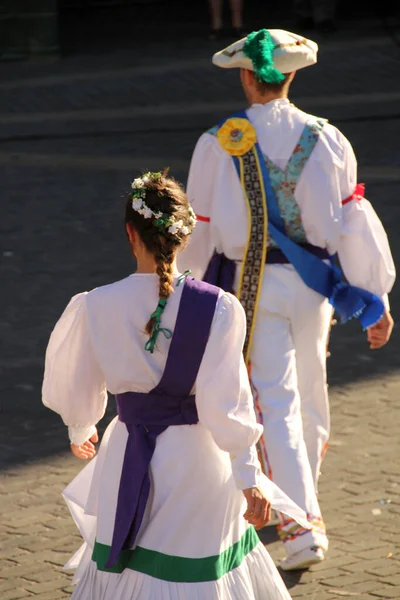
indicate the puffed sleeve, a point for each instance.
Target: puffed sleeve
{"x":74,"y":385}
{"x":202,"y":173}
{"x":223,"y":395}
{"x":363,"y":250}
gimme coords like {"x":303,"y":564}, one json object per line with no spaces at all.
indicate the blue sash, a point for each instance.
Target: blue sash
{"x":326,"y":279}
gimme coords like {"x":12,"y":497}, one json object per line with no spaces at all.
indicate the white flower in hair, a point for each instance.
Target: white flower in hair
{"x":175,"y":227}
{"x":192,"y":217}
{"x":162,"y":222}
{"x":138,"y":183}
{"x":147,"y":213}
{"x":137,"y":204}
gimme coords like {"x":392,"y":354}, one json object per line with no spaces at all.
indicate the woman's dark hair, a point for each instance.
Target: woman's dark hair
{"x":162,"y":194}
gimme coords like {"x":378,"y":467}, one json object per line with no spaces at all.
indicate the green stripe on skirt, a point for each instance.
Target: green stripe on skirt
{"x":176,"y":568}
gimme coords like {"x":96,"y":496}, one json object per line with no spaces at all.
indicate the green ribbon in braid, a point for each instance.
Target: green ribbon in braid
{"x":151,"y":342}
{"x":182,"y":277}
{"x":259,"y":47}
{"x":162,"y":303}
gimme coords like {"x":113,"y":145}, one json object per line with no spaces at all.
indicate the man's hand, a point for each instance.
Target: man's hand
{"x":86,"y":450}
{"x":379,"y":334}
{"x":258,"y":511}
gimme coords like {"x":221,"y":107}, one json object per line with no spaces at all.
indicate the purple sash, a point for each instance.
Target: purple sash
{"x":147,"y":415}
{"x":221,"y":272}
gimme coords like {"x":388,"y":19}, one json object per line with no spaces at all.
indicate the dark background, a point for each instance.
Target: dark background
{"x":64,"y":27}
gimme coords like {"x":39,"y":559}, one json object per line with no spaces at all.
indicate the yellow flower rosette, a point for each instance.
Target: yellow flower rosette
{"x":237,"y":136}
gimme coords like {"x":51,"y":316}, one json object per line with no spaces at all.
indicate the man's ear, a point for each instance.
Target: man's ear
{"x":247,"y":77}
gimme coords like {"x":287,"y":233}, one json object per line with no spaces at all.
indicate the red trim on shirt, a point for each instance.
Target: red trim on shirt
{"x":357,"y":195}
{"x":204,"y":219}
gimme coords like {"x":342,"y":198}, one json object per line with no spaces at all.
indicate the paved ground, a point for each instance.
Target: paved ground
{"x":73,"y":134}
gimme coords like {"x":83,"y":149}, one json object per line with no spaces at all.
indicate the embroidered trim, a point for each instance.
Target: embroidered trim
{"x":289,"y":530}
{"x":232,"y":53}
{"x":261,"y":447}
{"x":252,"y":272}
{"x":289,"y":44}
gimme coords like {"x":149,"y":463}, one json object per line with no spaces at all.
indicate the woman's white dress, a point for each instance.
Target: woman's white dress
{"x":194,"y":543}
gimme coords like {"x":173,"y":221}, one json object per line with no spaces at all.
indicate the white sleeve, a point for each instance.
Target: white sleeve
{"x":363,"y":249}
{"x":202,"y":173}
{"x":223,"y":395}
{"x":74,"y":385}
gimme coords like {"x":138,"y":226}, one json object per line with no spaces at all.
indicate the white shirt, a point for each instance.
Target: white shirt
{"x":353,"y":230}
{"x":98,"y":345}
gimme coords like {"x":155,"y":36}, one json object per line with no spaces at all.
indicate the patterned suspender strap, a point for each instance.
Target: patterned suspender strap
{"x":238,"y":137}
{"x":304,"y":147}
{"x":284,"y":183}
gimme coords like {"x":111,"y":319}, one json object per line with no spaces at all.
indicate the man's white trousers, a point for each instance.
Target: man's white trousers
{"x":288,"y":373}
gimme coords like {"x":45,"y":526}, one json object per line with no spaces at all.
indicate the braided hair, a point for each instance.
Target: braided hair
{"x":158,"y":209}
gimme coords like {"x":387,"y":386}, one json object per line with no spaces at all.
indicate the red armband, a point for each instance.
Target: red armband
{"x":357,"y":195}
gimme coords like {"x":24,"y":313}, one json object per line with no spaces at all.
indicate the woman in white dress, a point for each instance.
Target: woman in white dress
{"x":168,"y":508}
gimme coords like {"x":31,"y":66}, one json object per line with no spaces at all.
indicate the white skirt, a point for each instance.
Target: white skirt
{"x":194,"y":543}
{"x":255,"y":579}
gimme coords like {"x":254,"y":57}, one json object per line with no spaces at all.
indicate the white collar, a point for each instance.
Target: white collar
{"x":272,"y":103}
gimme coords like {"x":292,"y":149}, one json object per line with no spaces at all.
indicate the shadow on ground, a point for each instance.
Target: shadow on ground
{"x":29,"y":432}
{"x":268,"y":535}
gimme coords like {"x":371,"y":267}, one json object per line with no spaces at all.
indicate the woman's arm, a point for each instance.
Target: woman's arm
{"x":223,"y":395}
{"x":74,"y":385}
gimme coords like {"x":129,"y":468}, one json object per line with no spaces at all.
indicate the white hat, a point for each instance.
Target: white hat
{"x":290,"y":52}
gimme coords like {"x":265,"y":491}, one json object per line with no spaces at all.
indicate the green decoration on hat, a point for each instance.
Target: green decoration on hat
{"x":259,"y":48}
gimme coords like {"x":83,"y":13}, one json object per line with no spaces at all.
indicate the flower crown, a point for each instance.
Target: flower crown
{"x":162,"y":221}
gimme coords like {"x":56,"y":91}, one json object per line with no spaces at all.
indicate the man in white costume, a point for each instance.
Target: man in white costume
{"x":304,"y":171}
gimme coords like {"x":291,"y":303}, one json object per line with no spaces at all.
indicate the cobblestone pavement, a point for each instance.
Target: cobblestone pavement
{"x":73,"y":133}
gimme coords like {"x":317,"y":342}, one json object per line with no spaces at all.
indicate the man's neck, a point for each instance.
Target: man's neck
{"x":265,"y":98}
